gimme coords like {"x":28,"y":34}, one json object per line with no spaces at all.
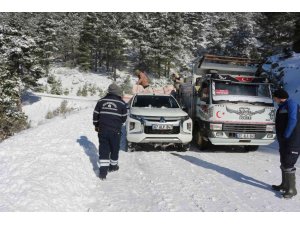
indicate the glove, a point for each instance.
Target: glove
{"x":97,"y":129}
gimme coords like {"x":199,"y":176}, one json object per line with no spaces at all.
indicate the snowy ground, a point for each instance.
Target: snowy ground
{"x":53,"y":167}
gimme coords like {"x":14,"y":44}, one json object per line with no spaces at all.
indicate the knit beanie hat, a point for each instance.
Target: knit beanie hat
{"x":280,"y":93}
{"x":114,"y":90}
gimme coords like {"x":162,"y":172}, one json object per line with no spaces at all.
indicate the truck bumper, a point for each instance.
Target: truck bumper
{"x":231,"y":141}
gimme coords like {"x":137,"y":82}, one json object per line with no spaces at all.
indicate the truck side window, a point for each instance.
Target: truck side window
{"x":204,"y":92}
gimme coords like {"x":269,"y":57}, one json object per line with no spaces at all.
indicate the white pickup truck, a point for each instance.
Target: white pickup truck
{"x":157,"y":119}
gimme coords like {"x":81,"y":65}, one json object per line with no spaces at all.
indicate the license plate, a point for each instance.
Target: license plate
{"x":162,"y":127}
{"x":245,"y":136}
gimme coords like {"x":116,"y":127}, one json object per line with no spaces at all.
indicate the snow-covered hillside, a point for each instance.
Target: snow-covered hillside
{"x":287,"y":72}
{"x":73,"y":79}
{"x":36,"y":105}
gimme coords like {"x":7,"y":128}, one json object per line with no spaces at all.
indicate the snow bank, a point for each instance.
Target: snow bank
{"x":36,"y":106}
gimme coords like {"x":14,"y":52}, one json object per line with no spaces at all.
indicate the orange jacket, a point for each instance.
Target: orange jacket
{"x":143,"y":80}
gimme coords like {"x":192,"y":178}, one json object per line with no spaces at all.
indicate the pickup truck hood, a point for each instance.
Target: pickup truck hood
{"x":166,"y":112}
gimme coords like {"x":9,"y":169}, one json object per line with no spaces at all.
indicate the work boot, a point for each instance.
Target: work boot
{"x":102,"y":176}
{"x":280,"y":187}
{"x":290,"y":190}
{"x":103,"y":173}
{"x":113,"y":168}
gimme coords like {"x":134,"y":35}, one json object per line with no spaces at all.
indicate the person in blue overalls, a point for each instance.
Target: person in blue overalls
{"x":288,"y":135}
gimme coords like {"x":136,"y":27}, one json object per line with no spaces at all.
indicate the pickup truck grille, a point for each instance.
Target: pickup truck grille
{"x":244,"y":128}
{"x":149,"y":130}
{"x":156,"y":118}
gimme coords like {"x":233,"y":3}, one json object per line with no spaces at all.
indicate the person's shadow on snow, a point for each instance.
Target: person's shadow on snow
{"x":237,"y":176}
{"x":91,"y":151}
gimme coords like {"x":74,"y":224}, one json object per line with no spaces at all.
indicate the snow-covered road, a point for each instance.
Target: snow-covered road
{"x":53,"y":167}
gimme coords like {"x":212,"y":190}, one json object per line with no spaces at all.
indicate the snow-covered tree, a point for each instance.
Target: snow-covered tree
{"x":277,"y":31}
{"x":18,"y":70}
{"x":87,"y":42}
{"x":242,"y":40}
{"x":47,"y":39}
{"x":296,"y":38}
{"x":68,"y":30}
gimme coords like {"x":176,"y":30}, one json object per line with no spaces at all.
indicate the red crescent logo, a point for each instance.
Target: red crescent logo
{"x":217,"y":114}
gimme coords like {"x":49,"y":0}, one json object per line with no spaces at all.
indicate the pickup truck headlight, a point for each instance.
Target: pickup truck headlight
{"x":189,"y":126}
{"x":131,"y":125}
{"x":136,"y":117}
{"x":215,"y":126}
{"x":270,"y":128}
{"x":184,"y":118}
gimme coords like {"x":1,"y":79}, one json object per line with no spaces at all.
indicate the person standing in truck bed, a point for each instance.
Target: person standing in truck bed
{"x":143,"y":79}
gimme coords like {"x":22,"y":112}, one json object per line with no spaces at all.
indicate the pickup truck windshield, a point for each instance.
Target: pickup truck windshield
{"x":153,"y":101}
{"x":229,"y":88}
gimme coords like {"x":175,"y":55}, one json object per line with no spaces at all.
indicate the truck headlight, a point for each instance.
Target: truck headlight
{"x":215,"y":126}
{"x":270,"y":128}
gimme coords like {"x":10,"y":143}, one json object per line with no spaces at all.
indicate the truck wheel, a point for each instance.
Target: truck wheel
{"x":131,"y":147}
{"x":199,"y":140}
{"x":184,"y":147}
{"x":251,"y":148}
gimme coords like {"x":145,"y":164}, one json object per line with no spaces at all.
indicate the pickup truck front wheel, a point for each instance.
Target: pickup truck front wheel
{"x":131,"y":147}
{"x":184,"y":147}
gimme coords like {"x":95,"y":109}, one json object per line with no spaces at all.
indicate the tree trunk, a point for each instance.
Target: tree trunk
{"x":159,"y":67}
{"x":115,"y":73}
{"x":96,"y":61}
{"x":169,"y":68}
{"x":100,"y":58}
{"x":107,"y":61}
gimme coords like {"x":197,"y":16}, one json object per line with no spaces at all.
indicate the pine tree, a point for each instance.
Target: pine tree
{"x":277,"y":31}
{"x":138,"y":32}
{"x":242,"y":41}
{"x":47,"y":40}
{"x":87,"y":43}
{"x":18,"y":70}
{"x":68,"y":31}
{"x":296,"y":38}
{"x":111,"y":40}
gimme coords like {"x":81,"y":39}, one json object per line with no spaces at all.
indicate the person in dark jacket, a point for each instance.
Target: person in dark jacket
{"x":109,"y":115}
{"x":288,"y":135}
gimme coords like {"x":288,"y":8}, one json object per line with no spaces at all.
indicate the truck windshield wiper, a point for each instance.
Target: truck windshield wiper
{"x":252,"y":103}
{"x":225,"y":101}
